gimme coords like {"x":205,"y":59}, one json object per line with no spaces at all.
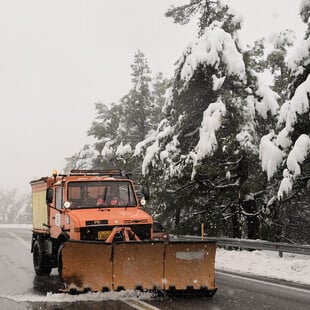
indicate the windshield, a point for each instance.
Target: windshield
{"x":101,"y":194}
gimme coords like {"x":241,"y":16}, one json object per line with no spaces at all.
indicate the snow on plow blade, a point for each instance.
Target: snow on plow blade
{"x":176,"y":266}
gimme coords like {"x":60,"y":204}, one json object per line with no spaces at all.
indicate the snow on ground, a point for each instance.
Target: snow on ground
{"x":290,"y":267}
{"x":67,"y":298}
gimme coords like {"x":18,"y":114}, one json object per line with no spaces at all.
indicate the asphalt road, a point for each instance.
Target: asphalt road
{"x":20,"y":288}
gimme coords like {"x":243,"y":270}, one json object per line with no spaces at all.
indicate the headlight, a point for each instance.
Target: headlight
{"x":67,"y":204}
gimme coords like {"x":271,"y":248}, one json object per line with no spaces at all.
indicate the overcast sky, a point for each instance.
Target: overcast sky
{"x":59,"y":57}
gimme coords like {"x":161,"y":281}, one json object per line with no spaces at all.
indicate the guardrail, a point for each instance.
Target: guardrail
{"x":254,"y":244}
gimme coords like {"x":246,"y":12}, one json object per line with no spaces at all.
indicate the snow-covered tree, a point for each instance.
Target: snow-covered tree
{"x":292,"y":142}
{"x":267,"y":57}
{"x":15,"y":208}
{"x":137,"y":104}
{"x":275,"y":61}
{"x":84,"y":159}
{"x":289,"y":148}
{"x":207,"y":11}
{"x":206,"y":146}
{"x":158,"y":93}
{"x":118,"y":127}
{"x":201,"y":144}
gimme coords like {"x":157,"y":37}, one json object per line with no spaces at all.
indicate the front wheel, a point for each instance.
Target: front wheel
{"x":41,"y":262}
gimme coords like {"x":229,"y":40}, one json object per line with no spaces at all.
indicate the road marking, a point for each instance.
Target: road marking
{"x":264,"y":282}
{"x":22,"y":241}
{"x":139,"y":304}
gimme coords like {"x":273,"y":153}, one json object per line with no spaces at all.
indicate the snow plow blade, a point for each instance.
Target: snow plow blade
{"x":177,"y":266}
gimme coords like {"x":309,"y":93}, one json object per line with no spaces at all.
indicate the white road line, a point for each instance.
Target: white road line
{"x":139,"y":304}
{"x":22,"y":241}
{"x":264,"y":282}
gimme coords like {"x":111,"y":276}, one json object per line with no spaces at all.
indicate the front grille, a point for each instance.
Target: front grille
{"x":91,"y":232}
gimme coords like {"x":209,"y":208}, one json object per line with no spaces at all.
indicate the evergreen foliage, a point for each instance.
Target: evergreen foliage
{"x":219,"y":183}
{"x":293,"y":138}
{"x":204,"y":140}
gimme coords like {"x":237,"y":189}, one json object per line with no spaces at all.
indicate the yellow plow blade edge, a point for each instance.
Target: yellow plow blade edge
{"x":174,"y":266}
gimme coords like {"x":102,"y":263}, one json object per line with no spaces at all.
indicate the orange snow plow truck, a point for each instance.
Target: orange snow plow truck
{"x":90,"y":224}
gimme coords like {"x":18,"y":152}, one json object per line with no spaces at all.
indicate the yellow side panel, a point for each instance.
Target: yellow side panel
{"x":39,"y":210}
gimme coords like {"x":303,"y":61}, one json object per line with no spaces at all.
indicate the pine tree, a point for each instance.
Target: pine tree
{"x":84,"y":159}
{"x":207,"y":11}
{"x":276,"y":62}
{"x":292,"y":143}
{"x":206,"y":148}
{"x":137,"y":103}
{"x":119,"y":127}
{"x":158,"y":92}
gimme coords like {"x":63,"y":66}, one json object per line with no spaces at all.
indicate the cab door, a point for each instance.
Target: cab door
{"x":57,"y":218}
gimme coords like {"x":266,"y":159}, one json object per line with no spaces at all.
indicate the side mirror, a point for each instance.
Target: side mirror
{"x":49,"y":196}
{"x":145,"y":192}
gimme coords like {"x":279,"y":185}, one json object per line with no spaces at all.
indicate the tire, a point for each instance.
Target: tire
{"x":41,"y":262}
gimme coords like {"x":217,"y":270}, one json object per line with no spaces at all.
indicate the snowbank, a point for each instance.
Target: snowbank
{"x":290,"y":267}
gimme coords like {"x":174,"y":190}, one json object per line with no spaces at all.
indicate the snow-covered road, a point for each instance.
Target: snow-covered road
{"x":20,"y":287}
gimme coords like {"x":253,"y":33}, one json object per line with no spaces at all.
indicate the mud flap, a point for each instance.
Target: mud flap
{"x":150,"y":265}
